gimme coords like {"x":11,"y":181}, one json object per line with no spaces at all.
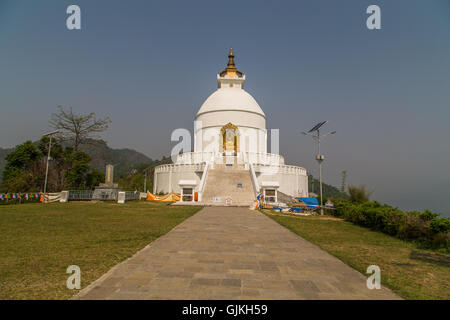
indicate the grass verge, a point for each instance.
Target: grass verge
{"x":38,"y":242}
{"x":409,"y":271}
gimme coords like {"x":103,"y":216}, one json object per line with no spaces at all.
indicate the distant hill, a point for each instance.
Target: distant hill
{"x":328,"y":191}
{"x":129,"y":162}
{"x":3,"y":154}
{"x":125,"y":160}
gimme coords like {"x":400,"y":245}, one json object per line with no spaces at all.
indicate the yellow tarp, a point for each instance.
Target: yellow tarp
{"x":171,"y":197}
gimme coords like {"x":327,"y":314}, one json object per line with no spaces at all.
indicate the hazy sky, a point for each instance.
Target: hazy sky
{"x":149,"y":65}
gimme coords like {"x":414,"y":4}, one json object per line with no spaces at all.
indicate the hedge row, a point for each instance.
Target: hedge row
{"x":425,"y":227}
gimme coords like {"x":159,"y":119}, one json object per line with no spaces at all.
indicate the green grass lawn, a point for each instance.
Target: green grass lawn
{"x":38,"y":242}
{"x":406,"y":269}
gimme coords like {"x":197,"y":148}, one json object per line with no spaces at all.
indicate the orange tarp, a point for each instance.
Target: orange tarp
{"x":171,"y":197}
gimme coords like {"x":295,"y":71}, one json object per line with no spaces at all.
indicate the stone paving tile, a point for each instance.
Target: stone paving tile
{"x":231,"y":253}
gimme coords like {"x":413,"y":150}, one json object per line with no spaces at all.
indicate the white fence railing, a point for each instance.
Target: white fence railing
{"x":244,"y":157}
{"x":283,"y":169}
{"x":194,"y":157}
{"x":179,"y":167}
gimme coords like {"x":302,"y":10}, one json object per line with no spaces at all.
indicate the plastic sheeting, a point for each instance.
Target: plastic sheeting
{"x":171,"y":197}
{"x":310,"y":202}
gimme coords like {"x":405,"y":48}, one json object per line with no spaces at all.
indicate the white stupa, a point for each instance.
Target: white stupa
{"x":230,"y":164}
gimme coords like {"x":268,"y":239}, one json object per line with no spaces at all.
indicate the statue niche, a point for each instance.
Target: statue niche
{"x":230,"y":138}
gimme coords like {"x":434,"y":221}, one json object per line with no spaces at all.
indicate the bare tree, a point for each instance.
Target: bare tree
{"x":78,"y":128}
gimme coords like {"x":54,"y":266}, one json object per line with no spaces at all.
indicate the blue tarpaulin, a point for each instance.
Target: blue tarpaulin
{"x":310,"y":202}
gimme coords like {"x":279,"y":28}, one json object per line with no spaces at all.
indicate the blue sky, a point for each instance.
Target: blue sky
{"x":149,"y":65}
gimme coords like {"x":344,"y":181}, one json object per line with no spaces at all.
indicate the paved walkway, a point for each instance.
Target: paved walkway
{"x":231,"y":253}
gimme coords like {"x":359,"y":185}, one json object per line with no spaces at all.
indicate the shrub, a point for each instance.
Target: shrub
{"x":440,"y":225}
{"x":428,"y":215}
{"x":424,"y":227}
{"x":391,"y":222}
{"x":359,"y":194}
{"x":440,"y":240}
{"x":412,"y":227}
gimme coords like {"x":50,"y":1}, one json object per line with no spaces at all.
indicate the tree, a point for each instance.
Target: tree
{"x":359,"y":194}
{"x":19,"y":174}
{"x":94,"y":178}
{"x":76,"y":176}
{"x":77,"y":128}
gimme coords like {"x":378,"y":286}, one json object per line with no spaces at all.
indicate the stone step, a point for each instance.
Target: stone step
{"x":222,"y":184}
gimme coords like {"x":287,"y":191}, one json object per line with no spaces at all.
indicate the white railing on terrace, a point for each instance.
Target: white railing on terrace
{"x":271,"y":169}
{"x":194,"y":157}
{"x":245,"y":157}
{"x":264,"y":158}
{"x":179,"y":167}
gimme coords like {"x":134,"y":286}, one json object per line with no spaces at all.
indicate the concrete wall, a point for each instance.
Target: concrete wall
{"x":166,"y":177}
{"x":293,"y":180}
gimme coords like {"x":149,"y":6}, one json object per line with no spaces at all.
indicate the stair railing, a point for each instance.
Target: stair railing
{"x":254,"y":180}
{"x":202,"y":182}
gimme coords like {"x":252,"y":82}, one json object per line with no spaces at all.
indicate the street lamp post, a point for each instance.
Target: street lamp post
{"x":48,"y":160}
{"x":319,"y":157}
{"x":145,"y":179}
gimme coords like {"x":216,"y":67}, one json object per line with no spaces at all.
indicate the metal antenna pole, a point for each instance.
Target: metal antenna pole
{"x":320,"y":171}
{"x":50,"y":134}
{"x":46,"y":169}
{"x":319,"y":157}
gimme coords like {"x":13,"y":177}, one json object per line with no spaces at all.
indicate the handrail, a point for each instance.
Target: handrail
{"x":254,"y":180}
{"x":202,"y":182}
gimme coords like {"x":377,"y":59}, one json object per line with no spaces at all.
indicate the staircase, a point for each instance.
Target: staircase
{"x":222,"y":185}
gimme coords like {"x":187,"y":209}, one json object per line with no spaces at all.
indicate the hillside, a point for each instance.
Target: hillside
{"x":125,"y":160}
{"x":329,"y":191}
{"x":3,"y":154}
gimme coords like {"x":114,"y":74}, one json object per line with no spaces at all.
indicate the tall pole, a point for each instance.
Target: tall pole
{"x":50,"y":134}
{"x":145,"y":180}
{"x":46,"y":169}
{"x":319,"y":159}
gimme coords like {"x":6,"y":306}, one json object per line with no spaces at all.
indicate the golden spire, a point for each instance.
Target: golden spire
{"x":231,"y":69}
{"x":230,"y":64}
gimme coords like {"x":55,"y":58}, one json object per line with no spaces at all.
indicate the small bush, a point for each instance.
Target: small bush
{"x":412,"y":227}
{"x":440,"y":240}
{"x":438,"y":225}
{"x":359,"y":194}
{"x":428,"y":215}
{"x":424,"y":227}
